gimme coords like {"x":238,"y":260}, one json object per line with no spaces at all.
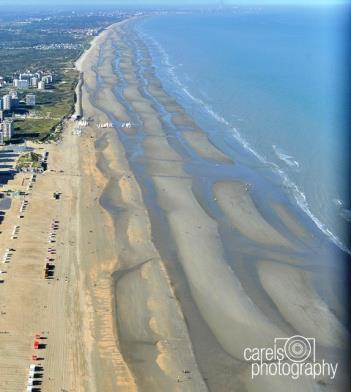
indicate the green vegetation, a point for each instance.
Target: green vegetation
{"x":51,"y":107}
{"x":48,"y":42}
{"x":29,"y":160}
{"x":27,"y":43}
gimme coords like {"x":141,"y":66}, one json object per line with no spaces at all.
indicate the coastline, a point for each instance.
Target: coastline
{"x":235,"y":126}
{"x":213,"y":235}
{"x":166,"y":270}
{"x":133,"y":270}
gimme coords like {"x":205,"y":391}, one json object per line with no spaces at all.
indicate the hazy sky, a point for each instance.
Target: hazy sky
{"x":175,"y":2}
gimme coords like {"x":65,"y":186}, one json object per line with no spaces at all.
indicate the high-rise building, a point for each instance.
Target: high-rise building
{"x":41,"y":85}
{"x":20,"y":84}
{"x":34,"y":81}
{"x":2,"y":115}
{"x":30,"y":100}
{"x":7,"y":102}
{"x":1,"y":138}
{"x":7,"y":128}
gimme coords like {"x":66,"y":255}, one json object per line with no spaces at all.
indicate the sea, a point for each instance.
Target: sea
{"x":269,"y":86}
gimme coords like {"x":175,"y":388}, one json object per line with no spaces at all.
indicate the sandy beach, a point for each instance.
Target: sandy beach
{"x":167,"y":267}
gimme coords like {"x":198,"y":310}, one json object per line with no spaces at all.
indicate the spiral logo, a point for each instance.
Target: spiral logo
{"x":297,"y":348}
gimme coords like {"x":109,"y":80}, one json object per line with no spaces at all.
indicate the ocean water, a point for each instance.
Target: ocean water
{"x":269,"y":87}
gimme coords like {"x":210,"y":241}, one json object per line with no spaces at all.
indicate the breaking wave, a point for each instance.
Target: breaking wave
{"x":298,"y":195}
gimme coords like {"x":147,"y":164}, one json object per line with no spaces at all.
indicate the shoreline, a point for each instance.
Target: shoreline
{"x":166,"y":265}
{"x":144,"y":276}
{"x":162,"y":164}
{"x":297,"y":198}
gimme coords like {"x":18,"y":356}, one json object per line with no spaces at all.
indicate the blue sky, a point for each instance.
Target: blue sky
{"x":178,"y":2}
{"x":215,"y":2}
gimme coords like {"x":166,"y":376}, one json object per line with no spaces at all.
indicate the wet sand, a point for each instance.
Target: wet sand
{"x":150,"y":328}
{"x":189,"y":265}
{"x":177,"y":264}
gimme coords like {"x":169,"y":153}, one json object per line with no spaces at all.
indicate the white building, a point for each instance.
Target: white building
{"x":20,"y":84}
{"x":30,"y":100}
{"x":6,"y":102}
{"x":41,"y":85}
{"x":1,"y":138}
{"x":34,"y":81}
{"x":7,"y":128}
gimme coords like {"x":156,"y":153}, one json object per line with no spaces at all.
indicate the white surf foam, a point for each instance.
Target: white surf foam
{"x":299,"y":196}
{"x":287,"y":159}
